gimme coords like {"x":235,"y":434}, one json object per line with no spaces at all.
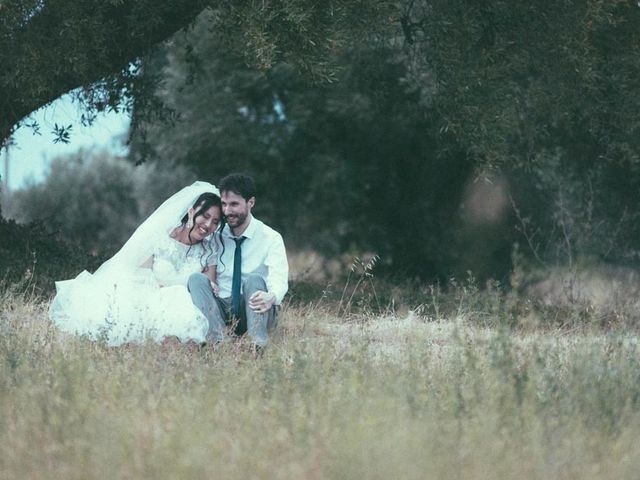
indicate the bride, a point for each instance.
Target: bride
{"x":140,"y":293}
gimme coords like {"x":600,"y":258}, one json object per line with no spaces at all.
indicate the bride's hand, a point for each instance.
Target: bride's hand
{"x":215,"y":288}
{"x":191,"y":213}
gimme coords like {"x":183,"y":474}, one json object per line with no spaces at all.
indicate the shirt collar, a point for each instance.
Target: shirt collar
{"x":250,"y":232}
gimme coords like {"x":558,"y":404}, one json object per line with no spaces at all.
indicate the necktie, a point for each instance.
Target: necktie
{"x":237,"y":277}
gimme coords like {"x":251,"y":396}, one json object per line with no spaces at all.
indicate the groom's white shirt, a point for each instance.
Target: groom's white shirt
{"x":263,"y":253}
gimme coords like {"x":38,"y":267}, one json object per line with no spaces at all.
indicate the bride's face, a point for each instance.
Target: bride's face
{"x":205,"y":223}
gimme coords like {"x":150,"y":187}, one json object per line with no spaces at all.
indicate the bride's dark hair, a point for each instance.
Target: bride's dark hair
{"x":203,"y":203}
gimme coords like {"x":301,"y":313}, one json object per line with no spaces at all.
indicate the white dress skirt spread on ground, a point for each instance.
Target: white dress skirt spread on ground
{"x":122,"y":302}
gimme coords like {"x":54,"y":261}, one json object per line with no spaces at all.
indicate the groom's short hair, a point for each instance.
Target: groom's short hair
{"x":240,"y":184}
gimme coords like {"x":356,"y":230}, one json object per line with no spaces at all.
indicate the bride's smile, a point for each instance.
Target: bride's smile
{"x":206,"y":224}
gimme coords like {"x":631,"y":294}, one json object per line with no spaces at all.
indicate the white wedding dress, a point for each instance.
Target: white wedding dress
{"x":123,"y":302}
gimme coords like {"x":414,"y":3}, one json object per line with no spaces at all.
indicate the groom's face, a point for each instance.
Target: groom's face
{"x":235,"y":208}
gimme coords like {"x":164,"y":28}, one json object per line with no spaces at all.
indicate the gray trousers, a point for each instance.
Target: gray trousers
{"x":218,"y":310}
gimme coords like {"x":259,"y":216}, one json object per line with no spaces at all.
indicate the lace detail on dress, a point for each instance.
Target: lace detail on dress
{"x":174,"y":262}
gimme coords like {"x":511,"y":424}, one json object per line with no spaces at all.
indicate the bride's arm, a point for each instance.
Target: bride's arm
{"x":210,"y":272}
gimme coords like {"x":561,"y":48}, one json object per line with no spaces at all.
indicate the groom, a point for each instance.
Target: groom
{"x":252,"y":271}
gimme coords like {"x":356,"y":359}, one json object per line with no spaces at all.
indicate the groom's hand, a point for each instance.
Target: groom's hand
{"x":261,"y":302}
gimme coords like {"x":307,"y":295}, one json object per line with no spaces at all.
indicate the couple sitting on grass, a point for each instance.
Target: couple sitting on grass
{"x":199,"y":266}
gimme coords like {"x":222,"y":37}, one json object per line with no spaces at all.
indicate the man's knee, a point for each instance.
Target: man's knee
{"x":197,"y":281}
{"x":253,"y":283}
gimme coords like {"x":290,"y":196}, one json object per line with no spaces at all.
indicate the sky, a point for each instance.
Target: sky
{"x":29,"y":158}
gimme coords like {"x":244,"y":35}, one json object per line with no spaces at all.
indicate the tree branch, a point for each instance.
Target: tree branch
{"x":63,"y":45}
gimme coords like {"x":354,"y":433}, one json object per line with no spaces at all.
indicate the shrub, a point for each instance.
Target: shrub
{"x":32,"y":258}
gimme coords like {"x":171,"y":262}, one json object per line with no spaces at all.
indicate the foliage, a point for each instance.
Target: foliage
{"x":97,"y":46}
{"x":322,"y":187}
{"x":545,"y":93}
{"x":94,"y":199}
{"x":90,"y":44}
{"x":304,"y":34}
{"x":568,"y":212}
{"x":90,"y":199}
{"x":449,"y":94}
{"x":510,"y":80}
{"x":33,"y":258}
{"x":368,"y":124}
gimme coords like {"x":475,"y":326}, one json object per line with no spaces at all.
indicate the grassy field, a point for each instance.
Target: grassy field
{"x":394,"y":395}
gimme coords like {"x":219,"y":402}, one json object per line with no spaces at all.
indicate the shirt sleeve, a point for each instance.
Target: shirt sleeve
{"x":277,"y":269}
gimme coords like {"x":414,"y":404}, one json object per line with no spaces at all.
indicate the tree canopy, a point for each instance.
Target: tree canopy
{"x":379,"y":125}
{"x":50,"y":47}
{"x":512,"y":79}
{"x":540,"y":99}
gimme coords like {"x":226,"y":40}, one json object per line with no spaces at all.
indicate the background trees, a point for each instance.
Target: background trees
{"x":48,"y":48}
{"x":432,"y":133}
{"x":439,"y":134}
{"x":96,"y":200}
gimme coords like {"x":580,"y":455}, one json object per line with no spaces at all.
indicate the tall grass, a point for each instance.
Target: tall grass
{"x":349,"y":396}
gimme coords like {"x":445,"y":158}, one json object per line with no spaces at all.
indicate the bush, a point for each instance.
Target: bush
{"x":33,"y":258}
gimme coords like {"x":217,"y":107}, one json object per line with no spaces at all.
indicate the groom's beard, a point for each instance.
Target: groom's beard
{"x":236,"y":220}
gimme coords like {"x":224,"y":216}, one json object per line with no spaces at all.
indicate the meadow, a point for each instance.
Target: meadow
{"x":451,"y":388}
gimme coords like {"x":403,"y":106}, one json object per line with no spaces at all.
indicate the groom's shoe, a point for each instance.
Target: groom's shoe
{"x":258,"y":350}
